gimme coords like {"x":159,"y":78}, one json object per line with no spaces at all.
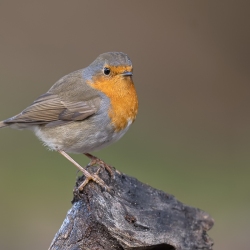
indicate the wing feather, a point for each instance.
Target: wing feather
{"x":49,"y":109}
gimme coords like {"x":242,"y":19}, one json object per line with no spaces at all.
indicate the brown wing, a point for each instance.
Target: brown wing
{"x":49,"y":109}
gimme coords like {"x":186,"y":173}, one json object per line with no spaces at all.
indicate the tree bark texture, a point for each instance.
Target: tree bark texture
{"x":132,"y":215}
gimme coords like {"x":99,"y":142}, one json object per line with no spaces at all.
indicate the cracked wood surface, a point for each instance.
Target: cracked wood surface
{"x":132,"y":215}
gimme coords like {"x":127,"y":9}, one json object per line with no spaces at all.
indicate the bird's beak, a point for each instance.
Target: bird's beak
{"x":127,"y":73}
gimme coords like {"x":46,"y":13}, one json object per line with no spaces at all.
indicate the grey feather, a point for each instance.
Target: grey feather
{"x":69,"y":99}
{"x":2,"y":124}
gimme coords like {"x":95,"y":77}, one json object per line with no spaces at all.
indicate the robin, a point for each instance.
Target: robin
{"x":84,"y":111}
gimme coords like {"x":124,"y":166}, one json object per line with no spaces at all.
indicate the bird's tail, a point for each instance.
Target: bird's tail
{"x":2,"y":124}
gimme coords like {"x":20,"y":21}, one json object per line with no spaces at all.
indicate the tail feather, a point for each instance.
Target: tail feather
{"x":2,"y":124}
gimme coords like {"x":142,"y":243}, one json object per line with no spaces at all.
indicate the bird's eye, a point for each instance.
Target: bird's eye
{"x":106,"y":71}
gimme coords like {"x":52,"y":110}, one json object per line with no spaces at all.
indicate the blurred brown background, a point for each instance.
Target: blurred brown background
{"x":192,"y":135}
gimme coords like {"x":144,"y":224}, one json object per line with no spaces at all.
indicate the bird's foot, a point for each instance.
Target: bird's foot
{"x":94,"y":177}
{"x":96,"y":161}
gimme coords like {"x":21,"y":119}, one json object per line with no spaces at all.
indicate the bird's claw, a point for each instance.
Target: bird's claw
{"x":94,"y":177}
{"x":96,"y":161}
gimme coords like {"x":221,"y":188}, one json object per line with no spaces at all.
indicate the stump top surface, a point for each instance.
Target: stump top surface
{"x":134,"y":215}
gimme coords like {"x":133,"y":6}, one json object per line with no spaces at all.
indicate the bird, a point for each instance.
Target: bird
{"x":84,"y":111}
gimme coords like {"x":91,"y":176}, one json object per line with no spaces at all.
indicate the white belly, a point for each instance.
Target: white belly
{"x":78,"y":142}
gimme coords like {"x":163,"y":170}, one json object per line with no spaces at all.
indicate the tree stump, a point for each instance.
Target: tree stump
{"x":132,"y":215}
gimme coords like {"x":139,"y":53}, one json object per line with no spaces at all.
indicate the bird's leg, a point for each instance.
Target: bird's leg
{"x":99,"y":162}
{"x":93,"y":177}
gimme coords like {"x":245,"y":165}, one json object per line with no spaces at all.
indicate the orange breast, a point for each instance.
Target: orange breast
{"x":123,"y":99}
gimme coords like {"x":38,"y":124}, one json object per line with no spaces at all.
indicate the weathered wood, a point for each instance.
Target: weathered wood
{"x":132,"y":215}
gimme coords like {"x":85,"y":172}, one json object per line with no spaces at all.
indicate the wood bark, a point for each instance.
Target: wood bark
{"x":132,"y":215}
